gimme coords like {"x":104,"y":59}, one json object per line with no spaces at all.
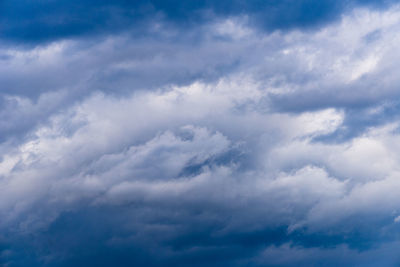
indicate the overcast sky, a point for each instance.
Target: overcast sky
{"x":199,"y":133}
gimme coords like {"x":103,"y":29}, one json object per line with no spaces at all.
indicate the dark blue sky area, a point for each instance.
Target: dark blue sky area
{"x":33,"y":22}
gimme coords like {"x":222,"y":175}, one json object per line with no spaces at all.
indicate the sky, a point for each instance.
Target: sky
{"x":199,"y":133}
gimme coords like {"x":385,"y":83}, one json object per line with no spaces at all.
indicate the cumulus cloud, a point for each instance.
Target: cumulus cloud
{"x":101,"y":160}
{"x":219,"y":145}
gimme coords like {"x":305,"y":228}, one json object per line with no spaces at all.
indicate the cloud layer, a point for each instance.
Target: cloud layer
{"x":207,"y":134}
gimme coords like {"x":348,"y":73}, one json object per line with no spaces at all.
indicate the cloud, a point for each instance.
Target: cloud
{"x":218,"y":137}
{"x":196,"y":193}
{"x":294,"y":71}
{"x":35,"y":22}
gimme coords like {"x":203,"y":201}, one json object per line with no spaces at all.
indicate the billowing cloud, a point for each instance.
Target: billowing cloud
{"x":182,"y":134}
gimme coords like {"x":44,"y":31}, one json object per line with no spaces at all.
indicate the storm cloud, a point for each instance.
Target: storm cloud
{"x":199,"y":133}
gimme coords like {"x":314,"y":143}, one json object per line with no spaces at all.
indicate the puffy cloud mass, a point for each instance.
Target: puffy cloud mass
{"x":169,"y":133}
